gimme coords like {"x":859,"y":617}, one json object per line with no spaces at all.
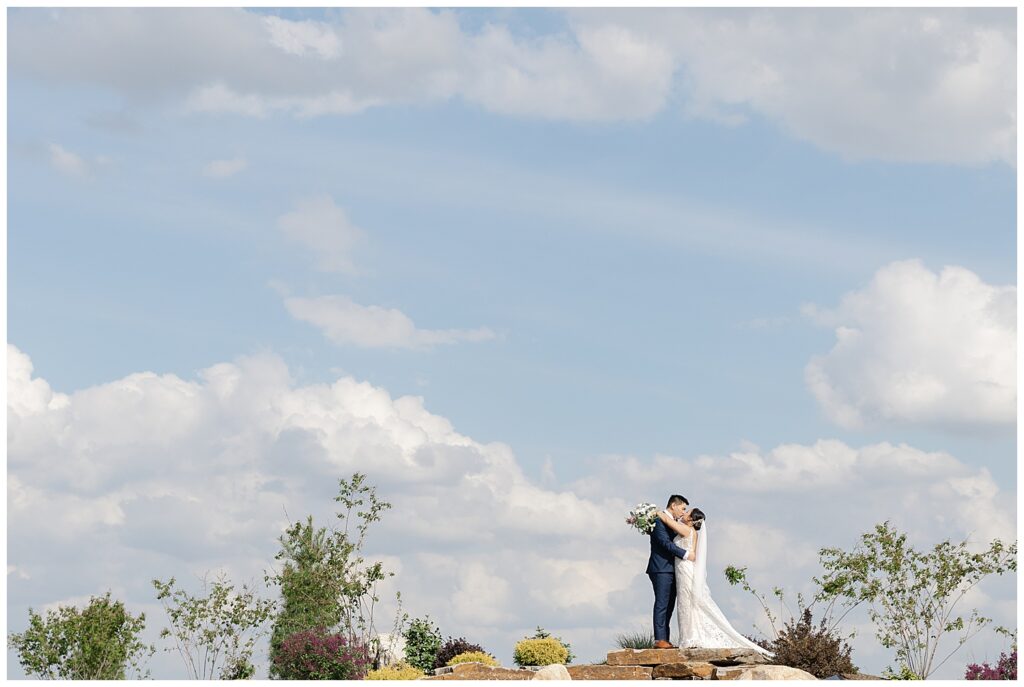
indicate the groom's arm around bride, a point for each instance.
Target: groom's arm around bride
{"x":662,"y":539}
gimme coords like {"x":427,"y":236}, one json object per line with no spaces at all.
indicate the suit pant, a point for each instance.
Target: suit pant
{"x":664,"y":602}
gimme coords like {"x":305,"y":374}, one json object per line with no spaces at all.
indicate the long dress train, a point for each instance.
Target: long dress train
{"x":701,"y":622}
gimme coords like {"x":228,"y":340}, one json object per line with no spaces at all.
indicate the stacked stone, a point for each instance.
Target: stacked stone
{"x":644,"y":664}
{"x":704,"y":664}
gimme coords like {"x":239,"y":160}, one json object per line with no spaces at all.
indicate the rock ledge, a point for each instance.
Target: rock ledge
{"x":644,"y":664}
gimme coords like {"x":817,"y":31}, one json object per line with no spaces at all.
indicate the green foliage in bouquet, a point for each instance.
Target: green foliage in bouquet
{"x":474,"y":657}
{"x":643,"y":517}
{"x":539,"y":652}
{"x":396,"y":671}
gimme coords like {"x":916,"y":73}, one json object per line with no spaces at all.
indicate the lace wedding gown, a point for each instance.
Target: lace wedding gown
{"x":701,"y":622}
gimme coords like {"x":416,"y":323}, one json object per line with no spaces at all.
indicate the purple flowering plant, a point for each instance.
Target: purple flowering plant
{"x":319,"y":655}
{"x":1004,"y":669}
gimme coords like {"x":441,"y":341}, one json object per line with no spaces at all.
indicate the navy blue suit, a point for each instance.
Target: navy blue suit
{"x":661,"y":568}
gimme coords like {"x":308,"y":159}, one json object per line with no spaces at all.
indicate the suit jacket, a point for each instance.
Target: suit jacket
{"x":663,"y":550}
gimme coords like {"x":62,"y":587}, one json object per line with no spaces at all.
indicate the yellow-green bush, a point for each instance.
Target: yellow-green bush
{"x":474,"y":657}
{"x":539,"y":652}
{"x":395,"y":671}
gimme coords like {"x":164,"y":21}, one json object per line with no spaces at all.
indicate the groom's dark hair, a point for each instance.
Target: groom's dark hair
{"x":676,"y":498}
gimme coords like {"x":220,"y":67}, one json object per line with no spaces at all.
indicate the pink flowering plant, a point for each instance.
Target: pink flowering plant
{"x":1005,"y":669}
{"x":643,"y":518}
{"x":319,"y":655}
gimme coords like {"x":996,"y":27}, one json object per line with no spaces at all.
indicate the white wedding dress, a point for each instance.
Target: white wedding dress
{"x":701,"y":622}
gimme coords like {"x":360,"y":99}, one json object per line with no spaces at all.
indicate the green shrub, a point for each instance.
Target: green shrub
{"x":475,"y":657}
{"x":636,"y":640}
{"x":904,"y":673}
{"x":820,"y":652}
{"x":422,"y":642}
{"x":541,"y":633}
{"x":452,"y":648}
{"x":98,"y":642}
{"x":396,"y":671}
{"x":539,"y":652}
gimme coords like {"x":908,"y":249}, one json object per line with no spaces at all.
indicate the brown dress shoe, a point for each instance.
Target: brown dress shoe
{"x":662,"y":644}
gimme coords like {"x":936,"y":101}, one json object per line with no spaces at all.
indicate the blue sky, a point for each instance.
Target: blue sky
{"x":642,"y":267}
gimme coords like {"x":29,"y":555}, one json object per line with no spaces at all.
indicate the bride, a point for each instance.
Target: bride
{"x":701,"y":622}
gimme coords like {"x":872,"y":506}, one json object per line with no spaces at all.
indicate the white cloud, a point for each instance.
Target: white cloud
{"x":481,"y":596}
{"x":217,"y":97}
{"x":222,"y":169}
{"x":21,"y":573}
{"x":324,"y":228}
{"x":220,"y":98}
{"x":606,"y":73}
{"x":917,"y":85}
{"x":918,"y":348}
{"x":66,"y":162}
{"x":26,"y":395}
{"x":759,"y":544}
{"x":304,"y":37}
{"x":153,"y":475}
{"x":72,"y":164}
{"x":547,"y":472}
{"x":826,"y":487}
{"x":345,"y":322}
{"x":54,"y":606}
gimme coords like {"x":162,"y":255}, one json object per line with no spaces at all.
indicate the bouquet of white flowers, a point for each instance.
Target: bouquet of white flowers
{"x":643,"y":517}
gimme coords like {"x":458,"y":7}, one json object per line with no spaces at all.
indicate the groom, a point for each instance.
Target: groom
{"x":662,"y":571}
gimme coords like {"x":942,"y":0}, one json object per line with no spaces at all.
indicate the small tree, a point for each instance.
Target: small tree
{"x":215,"y":633}
{"x":819,"y":650}
{"x":829,"y":618}
{"x":99,"y":642}
{"x":324,"y":581}
{"x":310,"y":582}
{"x":913,"y":596}
{"x":422,"y":642}
{"x":360,"y":593}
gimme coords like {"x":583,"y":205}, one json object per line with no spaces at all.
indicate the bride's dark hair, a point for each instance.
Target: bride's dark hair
{"x":696,"y":518}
